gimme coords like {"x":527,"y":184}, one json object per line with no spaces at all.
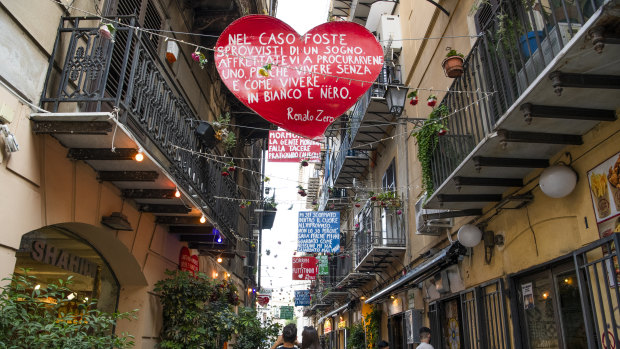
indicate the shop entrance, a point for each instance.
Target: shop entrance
{"x":550,"y":312}
{"x":396,"y":330}
{"x":446,"y":326}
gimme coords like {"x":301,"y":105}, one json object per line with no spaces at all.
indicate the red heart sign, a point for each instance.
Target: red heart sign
{"x":300,"y":83}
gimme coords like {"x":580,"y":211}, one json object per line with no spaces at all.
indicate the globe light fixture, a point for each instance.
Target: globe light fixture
{"x":469,"y":235}
{"x":558,"y":181}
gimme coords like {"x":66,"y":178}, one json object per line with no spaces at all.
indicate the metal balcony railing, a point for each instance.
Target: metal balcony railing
{"x":97,"y":74}
{"x":518,"y":42}
{"x":377,"y":226}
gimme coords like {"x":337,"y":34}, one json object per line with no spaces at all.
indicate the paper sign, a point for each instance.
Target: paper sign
{"x":286,"y":312}
{"x":302,"y":298}
{"x":528,"y":296}
{"x":323,"y":265}
{"x":187,"y":262}
{"x":300,"y":83}
{"x":604,"y":182}
{"x":262,"y":299}
{"x":285,"y":146}
{"x":318,"y":231}
{"x":304,"y":268}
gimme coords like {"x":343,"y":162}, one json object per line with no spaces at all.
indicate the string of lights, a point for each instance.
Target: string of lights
{"x":254,"y":60}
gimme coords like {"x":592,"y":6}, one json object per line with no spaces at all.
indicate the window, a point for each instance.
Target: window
{"x":484,"y":316}
{"x":51,"y":254}
{"x":390,"y":220}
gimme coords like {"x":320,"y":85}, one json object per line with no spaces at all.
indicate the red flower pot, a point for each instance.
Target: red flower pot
{"x":431,"y":102}
{"x":232,"y":169}
{"x":442,"y":132}
{"x":453,"y":66}
{"x":414,"y":100}
{"x":225,"y":174}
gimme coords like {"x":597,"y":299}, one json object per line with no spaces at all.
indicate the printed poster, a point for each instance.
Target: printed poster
{"x":286,"y":146}
{"x":528,"y":296}
{"x":318,"y":231}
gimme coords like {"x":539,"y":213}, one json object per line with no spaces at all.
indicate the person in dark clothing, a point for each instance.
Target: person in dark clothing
{"x":384,"y":345}
{"x":310,"y":338}
{"x":288,"y":339}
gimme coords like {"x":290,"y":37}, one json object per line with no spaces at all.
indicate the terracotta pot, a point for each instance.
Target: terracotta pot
{"x":453,"y":66}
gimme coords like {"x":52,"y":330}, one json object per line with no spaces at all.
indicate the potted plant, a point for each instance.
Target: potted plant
{"x":453,"y":64}
{"x":301,"y":191}
{"x":304,"y":162}
{"x":269,"y":213}
{"x":35,"y":315}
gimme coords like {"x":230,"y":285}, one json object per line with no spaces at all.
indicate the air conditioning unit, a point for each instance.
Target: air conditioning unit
{"x":430,"y":226}
{"x":389,"y":28}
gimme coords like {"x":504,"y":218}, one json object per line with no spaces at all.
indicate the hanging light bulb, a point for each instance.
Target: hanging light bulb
{"x":219,"y":259}
{"x":139,"y":155}
{"x":177,"y":193}
{"x":203,"y":219}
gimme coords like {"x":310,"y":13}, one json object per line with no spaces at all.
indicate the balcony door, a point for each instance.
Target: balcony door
{"x":390,"y":222}
{"x":550,"y":312}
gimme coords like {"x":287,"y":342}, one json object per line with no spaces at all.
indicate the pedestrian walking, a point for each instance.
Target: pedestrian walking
{"x":384,"y":345}
{"x":288,"y":338}
{"x":425,"y":338}
{"x":310,"y":338}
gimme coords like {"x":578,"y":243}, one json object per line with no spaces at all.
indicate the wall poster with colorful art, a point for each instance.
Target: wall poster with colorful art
{"x":604,"y":182}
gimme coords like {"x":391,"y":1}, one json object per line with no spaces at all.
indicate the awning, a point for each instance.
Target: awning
{"x":444,"y":258}
{"x":334,"y":312}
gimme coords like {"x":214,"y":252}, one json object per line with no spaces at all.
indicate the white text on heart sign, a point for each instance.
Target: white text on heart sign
{"x":295,"y":74}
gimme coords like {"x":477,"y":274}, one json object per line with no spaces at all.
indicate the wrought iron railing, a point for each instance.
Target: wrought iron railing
{"x":151,"y":104}
{"x":377,"y":226}
{"x":519,"y":41}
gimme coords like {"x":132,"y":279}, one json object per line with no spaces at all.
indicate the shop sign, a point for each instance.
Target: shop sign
{"x":49,"y":254}
{"x":302,"y":298}
{"x":318,"y":231}
{"x":265,"y":291}
{"x":286,"y":312}
{"x":285,"y":146}
{"x":327,"y":326}
{"x":304,"y":268}
{"x":342,"y":324}
{"x":300,"y":83}
{"x":187,"y":261}
{"x":323,"y":265}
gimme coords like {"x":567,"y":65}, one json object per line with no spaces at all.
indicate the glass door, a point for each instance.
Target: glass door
{"x":550,"y":309}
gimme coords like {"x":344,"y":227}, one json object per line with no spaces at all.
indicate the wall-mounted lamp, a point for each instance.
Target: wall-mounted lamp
{"x":558,"y":181}
{"x":395,"y":98}
{"x":491,"y":240}
{"x":116,"y":221}
{"x":469,"y":235}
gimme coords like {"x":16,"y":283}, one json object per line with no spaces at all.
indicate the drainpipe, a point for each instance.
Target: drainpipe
{"x":406,"y":219}
{"x":260,"y":217}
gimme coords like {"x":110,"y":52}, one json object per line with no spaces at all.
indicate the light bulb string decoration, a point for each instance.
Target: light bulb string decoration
{"x":254,"y":60}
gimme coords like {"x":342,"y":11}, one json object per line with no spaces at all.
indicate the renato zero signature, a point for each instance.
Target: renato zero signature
{"x":291,"y":115}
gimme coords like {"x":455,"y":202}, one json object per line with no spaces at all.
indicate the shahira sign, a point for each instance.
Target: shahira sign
{"x":300,"y":83}
{"x":49,"y":254}
{"x":187,"y":261}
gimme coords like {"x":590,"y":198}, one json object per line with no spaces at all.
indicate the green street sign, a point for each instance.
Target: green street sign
{"x":286,"y":312}
{"x":323,"y":265}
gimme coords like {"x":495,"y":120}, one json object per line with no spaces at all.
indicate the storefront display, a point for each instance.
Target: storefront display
{"x":51,"y":254}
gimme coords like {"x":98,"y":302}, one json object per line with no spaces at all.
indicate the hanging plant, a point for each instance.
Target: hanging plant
{"x":453,"y":64}
{"x":231,"y":166}
{"x":301,"y":191}
{"x":222,"y":133}
{"x":264,"y":70}
{"x":225,"y":172}
{"x":200,"y":58}
{"x":245,"y":204}
{"x":427,"y":139}
{"x":107,"y":31}
{"x":266,"y":179}
{"x":413,"y":97}
{"x":305,"y":162}
{"x":431,"y":101}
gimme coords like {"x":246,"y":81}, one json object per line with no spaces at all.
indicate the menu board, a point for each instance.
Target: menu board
{"x":604,"y":182}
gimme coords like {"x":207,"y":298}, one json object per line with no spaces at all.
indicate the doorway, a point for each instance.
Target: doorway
{"x":446,"y":327}
{"x":549,"y":307}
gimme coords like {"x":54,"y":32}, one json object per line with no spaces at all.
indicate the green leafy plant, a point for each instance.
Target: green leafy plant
{"x":357,"y":337}
{"x":389,"y":199}
{"x":270,"y":203}
{"x":251,"y":334}
{"x":453,"y":53}
{"x":222,"y":133}
{"x":427,"y":138}
{"x":372,"y":323}
{"x":198,"y":311}
{"x":53,"y":316}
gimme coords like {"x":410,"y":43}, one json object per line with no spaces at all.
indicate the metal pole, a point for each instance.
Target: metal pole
{"x":260,"y":217}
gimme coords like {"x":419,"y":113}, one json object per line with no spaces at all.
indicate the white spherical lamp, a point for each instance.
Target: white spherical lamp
{"x":469,"y":235}
{"x":557,"y":181}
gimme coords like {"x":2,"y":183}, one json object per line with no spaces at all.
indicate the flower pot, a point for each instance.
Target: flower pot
{"x":268,"y":218}
{"x":453,"y":66}
{"x":414,"y":100}
{"x":528,"y":42}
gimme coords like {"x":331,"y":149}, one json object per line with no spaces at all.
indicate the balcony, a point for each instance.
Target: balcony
{"x":103,"y":94}
{"x":380,"y":238}
{"x":551,"y":84}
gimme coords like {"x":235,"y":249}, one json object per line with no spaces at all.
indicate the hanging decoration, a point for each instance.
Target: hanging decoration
{"x":300,"y":83}
{"x":413,"y":97}
{"x":431,"y":101}
{"x":172,"y":51}
{"x":285,"y":146}
{"x":107,"y":31}
{"x":200,"y":57}
{"x":304,"y":268}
